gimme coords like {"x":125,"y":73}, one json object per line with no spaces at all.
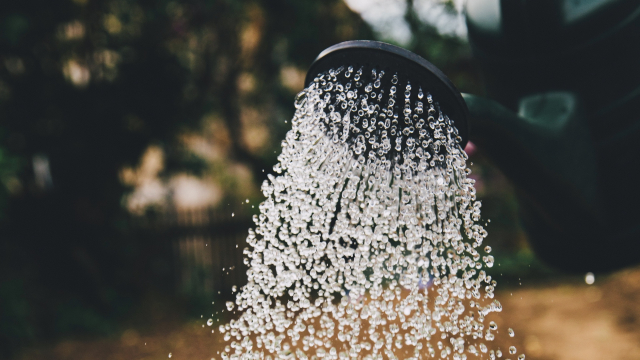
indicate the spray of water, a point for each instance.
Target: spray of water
{"x":368,"y":244}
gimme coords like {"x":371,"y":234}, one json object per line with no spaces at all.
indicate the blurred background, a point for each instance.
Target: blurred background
{"x":134,"y":136}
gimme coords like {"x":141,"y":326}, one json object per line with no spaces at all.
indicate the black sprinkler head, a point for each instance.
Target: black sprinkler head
{"x":409,"y":67}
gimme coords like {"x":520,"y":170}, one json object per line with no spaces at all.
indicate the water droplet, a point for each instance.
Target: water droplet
{"x":209,"y":322}
{"x":589,"y":278}
{"x":300,"y":100}
{"x":488,"y":260}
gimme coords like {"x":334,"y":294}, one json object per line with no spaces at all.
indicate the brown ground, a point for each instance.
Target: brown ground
{"x":564,"y":321}
{"x":572,"y":320}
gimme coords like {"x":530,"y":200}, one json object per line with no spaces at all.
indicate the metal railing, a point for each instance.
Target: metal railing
{"x":207,"y":248}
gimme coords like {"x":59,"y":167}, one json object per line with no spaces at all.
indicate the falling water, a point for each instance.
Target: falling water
{"x":368,"y":244}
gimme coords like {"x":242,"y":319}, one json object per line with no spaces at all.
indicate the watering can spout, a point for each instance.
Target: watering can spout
{"x":545,"y":139}
{"x":547,"y":153}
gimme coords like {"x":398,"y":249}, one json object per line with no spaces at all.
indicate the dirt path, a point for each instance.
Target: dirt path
{"x":577,"y":321}
{"x":565,"y":321}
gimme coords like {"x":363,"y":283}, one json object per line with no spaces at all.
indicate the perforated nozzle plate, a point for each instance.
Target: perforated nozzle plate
{"x":409,"y":67}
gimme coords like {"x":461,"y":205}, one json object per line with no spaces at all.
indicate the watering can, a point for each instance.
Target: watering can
{"x":561,"y":119}
{"x":563,"y":122}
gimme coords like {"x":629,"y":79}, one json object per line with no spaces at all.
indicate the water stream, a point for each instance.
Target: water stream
{"x":368,"y":245}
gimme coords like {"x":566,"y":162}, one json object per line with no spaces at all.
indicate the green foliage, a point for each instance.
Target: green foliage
{"x":77,"y":318}
{"x":86,"y":87}
{"x":14,"y":26}
{"x":17,"y":323}
{"x":9,"y":166}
